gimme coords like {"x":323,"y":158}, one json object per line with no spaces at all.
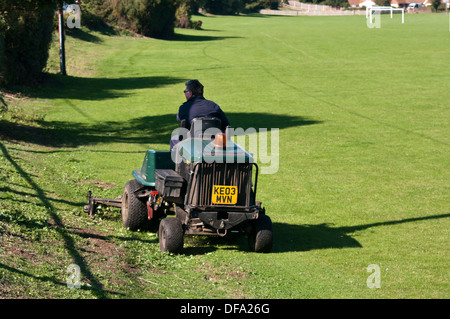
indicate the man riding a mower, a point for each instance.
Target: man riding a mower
{"x":197,"y":106}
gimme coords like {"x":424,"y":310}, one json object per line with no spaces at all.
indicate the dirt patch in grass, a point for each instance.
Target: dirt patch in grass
{"x":22,"y":253}
{"x":99,"y":251}
{"x":104,"y":266}
{"x":99,"y":183}
{"x":96,"y":242}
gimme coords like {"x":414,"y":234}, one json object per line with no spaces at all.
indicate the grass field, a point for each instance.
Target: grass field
{"x":363,"y":160}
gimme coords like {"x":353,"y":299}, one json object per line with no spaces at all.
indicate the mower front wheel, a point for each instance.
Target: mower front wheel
{"x":134,"y":209}
{"x":170,"y":235}
{"x":260,"y":238}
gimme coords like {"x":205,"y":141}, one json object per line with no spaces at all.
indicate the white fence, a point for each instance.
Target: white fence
{"x":313,"y":13}
{"x":309,"y":6}
{"x":298,"y":8}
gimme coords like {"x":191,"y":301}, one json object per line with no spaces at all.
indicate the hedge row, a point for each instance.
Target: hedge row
{"x":26,"y":28}
{"x":152,"y":18}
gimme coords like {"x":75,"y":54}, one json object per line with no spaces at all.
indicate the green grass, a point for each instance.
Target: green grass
{"x":363,"y":177}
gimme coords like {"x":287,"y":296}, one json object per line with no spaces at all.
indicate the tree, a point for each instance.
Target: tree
{"x":2,"y":51}
{"x":383,"y":2}
{"x":223,"y":6}
{"x":436,"y":4}
{"x":152,"y":18}
{"x":25,"y":34}
{"x":336,"y":3}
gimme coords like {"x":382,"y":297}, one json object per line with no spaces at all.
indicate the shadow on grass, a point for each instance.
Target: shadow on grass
{"x":83,"y":35}
{"x":146,"y":129}
{"x":323,"y":236}
{"x":199,"y":38}
{"x":68,"y":87}
{"x":27,"y":194}
{"x":97,"y":288}
{"x":52,"y":280}
{"x":288,"y":237}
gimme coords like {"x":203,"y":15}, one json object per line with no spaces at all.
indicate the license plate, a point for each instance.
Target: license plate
{"x":226,"y":195}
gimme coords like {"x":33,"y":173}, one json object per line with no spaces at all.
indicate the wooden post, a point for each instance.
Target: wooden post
{"x":62,"y":53}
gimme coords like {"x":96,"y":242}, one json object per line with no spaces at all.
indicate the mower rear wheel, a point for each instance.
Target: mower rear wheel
{"x":134,"y":209}
{"x":170,"y":235}
{"x":260,"y":239}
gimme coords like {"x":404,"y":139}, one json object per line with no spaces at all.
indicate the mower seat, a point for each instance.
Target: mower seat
{"x":200,"y":124}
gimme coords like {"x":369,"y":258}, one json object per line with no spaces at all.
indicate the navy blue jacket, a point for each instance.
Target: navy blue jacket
{"x":198,"y":106}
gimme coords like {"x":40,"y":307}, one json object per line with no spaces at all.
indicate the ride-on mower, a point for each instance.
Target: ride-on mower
{"x":206,"y":185}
